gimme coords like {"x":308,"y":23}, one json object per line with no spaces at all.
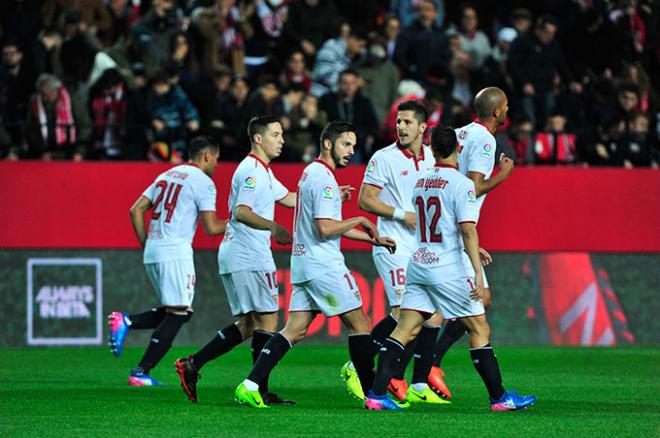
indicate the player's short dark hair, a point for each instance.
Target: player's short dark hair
{"x":335,"y":129}
{"x":201,"y":143}
{"x":349,"y":71}
{"x":417,"y":107}
{"x":443,"y":141}
{"x":259,"y":125}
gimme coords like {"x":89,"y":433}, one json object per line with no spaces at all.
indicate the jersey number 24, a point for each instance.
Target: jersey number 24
{"x":169,"y":205}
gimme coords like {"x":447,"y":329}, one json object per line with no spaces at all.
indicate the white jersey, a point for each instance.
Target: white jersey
{"x":178,"y":196}
{"x":253,"y":185}
{"x":476,"y":151}
{"x":395,"y":170}
{"x":443,"y":198}
{"x":318,"y":198}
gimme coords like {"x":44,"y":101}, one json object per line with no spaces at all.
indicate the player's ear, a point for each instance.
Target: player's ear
{"x":423,"y":126}
{"x":327,"y":144}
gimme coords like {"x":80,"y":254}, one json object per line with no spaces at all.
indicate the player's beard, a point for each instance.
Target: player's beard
{"x":337,"y":159}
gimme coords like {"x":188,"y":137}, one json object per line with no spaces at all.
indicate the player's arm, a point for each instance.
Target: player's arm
{"x":289,"y":200}
{"x":329,"y":227}
{"x":471,"y":241}
{"x":483,"y":186}
{"x":362,"y":236}
{"x":369,"y":201}
{"x":137,"y":211}
{"x":245,"y":215}
{"x":212,"y":224}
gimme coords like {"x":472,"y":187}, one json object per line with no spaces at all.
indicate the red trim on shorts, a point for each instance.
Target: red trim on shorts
{"x":373,"y":185}
{"x":416,"y":310}
{"x":325,"y":164}
{"x":343,"y":313}
{"x":259,"y":160}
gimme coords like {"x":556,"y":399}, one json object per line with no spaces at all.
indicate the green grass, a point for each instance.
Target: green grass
{"x":83,"y":392}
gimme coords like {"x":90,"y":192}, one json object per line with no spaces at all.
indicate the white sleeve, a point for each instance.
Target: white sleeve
{"x":205,"y":194}
{"x":482,"y":155}
{"x":279,"y":190}
{"x":376,"y":172}
{"x":251,"y":184}
{"x":326,"y":200}
{"x":467,"y":208}
{"x":149,"y":192}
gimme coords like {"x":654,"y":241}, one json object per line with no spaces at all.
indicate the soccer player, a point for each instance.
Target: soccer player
{"x":437,"y":277}
{"x":177,"y":198}
{"x":387,"y":192}
{"x":321,"y":281}
{"x":245,"y":260}
{"x":476,"y":160}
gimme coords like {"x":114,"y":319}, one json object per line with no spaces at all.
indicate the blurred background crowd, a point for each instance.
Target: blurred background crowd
{"x":135,"y":79}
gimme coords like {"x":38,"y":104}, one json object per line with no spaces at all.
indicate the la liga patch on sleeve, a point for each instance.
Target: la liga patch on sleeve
{"x":249,"y":183}
{"x":328,"y":192}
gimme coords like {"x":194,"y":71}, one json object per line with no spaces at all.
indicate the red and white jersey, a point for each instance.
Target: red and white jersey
{"x":178,"y":196}
{"x":443,"y":199}
{"x":476,"y":151}
{"x":253,"y":185}
{"x":395,"y":171}
{"x":318,"y":198}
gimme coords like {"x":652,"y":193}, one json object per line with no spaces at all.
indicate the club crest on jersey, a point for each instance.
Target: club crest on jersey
{"x":488,"y":150}
{"x":328,"y":192}
{"x":249,"y":183}
{"x":472,"y":197}
{"x":371,"y":166}
{"x":212,"y":190}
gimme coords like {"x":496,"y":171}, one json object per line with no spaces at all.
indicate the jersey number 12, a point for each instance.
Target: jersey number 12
{"x":433,"y":201}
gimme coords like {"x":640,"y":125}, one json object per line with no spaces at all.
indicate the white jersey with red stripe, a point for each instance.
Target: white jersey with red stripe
{"x":318,"y":198}
{"x":177,"y":196}
{"x":476,"y":151}
{"x":395,"y":170}
{"x":253,"y":185}
{"x":443,"y":199}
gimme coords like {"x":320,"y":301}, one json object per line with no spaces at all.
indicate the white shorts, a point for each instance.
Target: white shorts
{"x":332,"y":294}
{"x":251,"y":291}
{"x":451,"y":297}
{"x":392,"y":270}
{"x":174,"y":281}
{"x":470,"y":269}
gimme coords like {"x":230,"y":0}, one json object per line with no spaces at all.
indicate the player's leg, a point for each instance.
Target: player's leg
{"x":274,"y":350}
{"x":360,"y":346}
{"x":424,"y":355}
{"x":485,"y":362}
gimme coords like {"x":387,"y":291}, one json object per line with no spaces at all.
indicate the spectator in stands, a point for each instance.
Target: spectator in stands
{"x":555,"y":145}
{"x":309,"y":24}
{"x":494,"y":71}
{"x":535,"y":62}
{"x":137,"y":115}
{"x":629,"y":20}
{"x":9,"y":149}
{"x":261,"y":25}
{"x":473,"y":41}
{"x":380,"y":79}
{"x":264,"y":100}
{"x":463,"y":84}
{"x":123,"y":14}
{"x":46,"y":52}
{"x":335,"y":56}
{"x":17,"y":80}
{"x":51,"y":130}
{"x":172,"y":116}
{"x":408,"y":11}
{"x":296,"y":71}
{"x":108,"y":104}
{"x":152,"y":34}
{"x":181,"y":60}
{"x":634,"y":74}
{"x":349,"y":105}
{"x":600,"y":147}
{"x":304,"y":125}
{"x":94,"y":15}
{"x":517,"y":142}
{"x":521,"y":20}
{"x":634,"y":147}
{"x":422,"y":46}
{"x":432,"y":97}
{"x":390,"y":35}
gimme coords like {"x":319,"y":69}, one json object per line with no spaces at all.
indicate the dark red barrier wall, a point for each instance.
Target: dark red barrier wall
{"x":85,"y":205}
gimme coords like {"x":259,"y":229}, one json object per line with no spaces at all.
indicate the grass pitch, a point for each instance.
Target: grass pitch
{"x":83,"y":392}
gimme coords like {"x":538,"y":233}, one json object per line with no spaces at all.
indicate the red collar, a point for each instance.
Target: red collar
{"x":190,"y":163}
{"x":451,"y":166}
{"x":479,"y":122}
{"x":325,"y":164}
{"x":259,"y":160}
{"x":409,"y":154}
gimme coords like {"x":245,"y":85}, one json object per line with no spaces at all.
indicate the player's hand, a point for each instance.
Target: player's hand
{"x":506,"y":165}
{"x":369,"y":227}
{"x":346,"y":192}
{"x":410,"y":220}
{"x":386,"y":242}
{"x":281,"y":234}
{"x":477,"y":294}
{"x":486,"y":258}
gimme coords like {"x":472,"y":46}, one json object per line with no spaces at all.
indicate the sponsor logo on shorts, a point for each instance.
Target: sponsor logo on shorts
{"x":398,"y":291}
{"x":425,"y":257}
{"x":328,"y":192}
{"x":298,"y":249}
{"x":249,"y":182}
{"x":371,"y":166}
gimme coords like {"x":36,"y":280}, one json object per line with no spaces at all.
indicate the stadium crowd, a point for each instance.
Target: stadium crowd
{"x":135,"y":79}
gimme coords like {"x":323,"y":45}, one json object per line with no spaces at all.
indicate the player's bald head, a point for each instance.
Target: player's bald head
{"x":487,"y":101}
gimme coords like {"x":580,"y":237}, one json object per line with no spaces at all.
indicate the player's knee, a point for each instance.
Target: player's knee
{"x":405,"y":335}
{"x":294,"y":333}
{"x":480,"y":328}
{"x":395,"y":312}
{"x":245,"y":325}
{"x":266,"y":322}
{"x":434,"y":321}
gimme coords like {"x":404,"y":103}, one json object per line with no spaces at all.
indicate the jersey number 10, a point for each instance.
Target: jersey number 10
{"x":173,"y":191}
{"x":433,"y":201}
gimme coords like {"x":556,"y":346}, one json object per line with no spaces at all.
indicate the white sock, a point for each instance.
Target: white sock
{"x":250,"y":385}
{"x":420,"y":386}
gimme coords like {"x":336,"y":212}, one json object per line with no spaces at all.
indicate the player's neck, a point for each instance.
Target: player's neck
{"x":450,"y":161}
{"x":416,"y":148}
{"x":327,"y":160}
{"x":491,"y":124}
{"x":259,"y":153}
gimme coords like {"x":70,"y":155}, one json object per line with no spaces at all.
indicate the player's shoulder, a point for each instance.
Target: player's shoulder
{"x":320,"y":172}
